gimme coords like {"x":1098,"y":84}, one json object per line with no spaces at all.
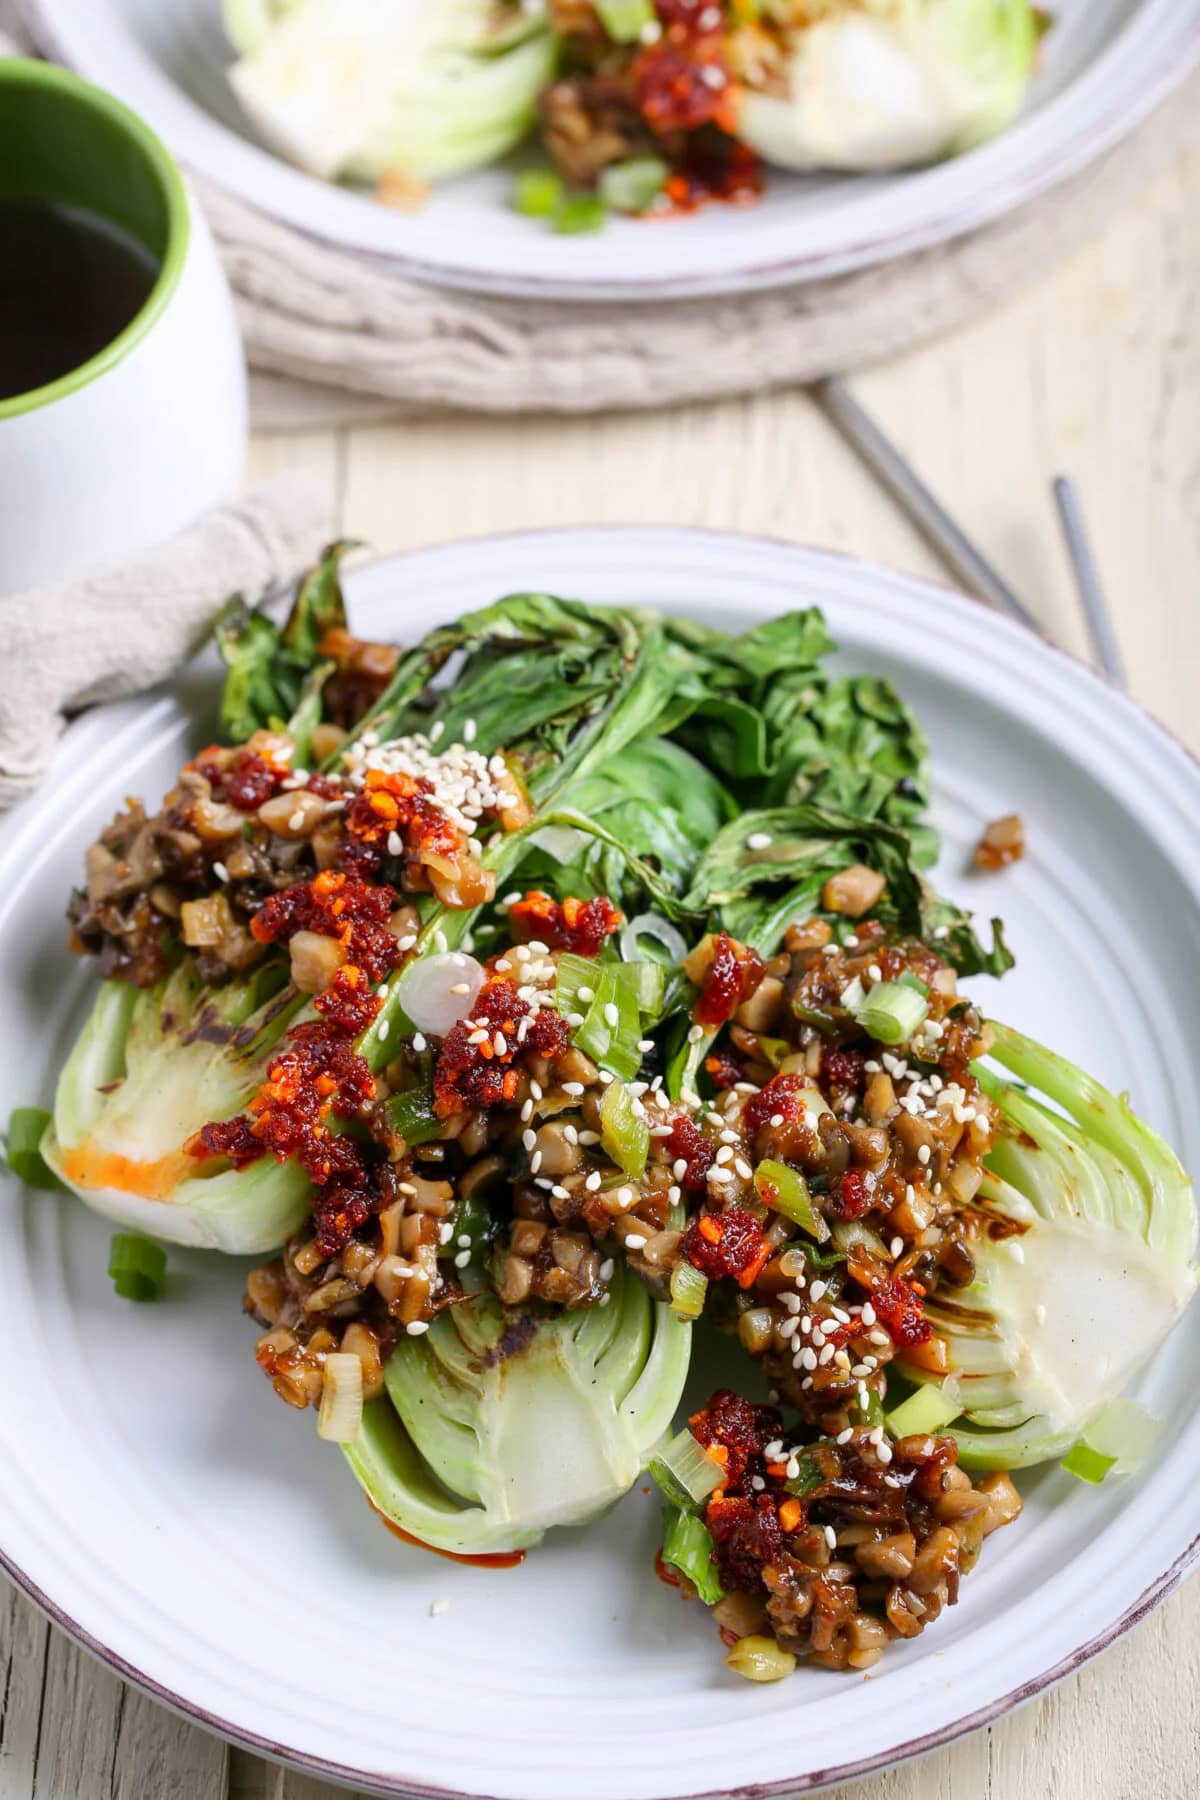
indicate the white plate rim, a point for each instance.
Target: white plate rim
{"x":642,"y":547}
{"x":1145,"y":61}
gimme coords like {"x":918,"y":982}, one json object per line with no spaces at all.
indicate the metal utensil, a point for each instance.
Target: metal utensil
{"x":1087,"y":581}
{"x":962,"y":557}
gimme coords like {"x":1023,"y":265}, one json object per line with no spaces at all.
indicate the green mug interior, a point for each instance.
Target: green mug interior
{"x":64,"y":141}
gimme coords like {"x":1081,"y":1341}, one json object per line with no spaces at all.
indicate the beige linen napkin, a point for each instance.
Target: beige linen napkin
{"x":125,"y":629}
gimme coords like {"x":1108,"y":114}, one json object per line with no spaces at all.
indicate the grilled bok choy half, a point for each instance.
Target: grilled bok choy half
{"x":497,"y":1425}
{"x":366,"y":89}
{"x":561,"y":686}
{"x":1092,"y":1267}
{"x":881,"y":84}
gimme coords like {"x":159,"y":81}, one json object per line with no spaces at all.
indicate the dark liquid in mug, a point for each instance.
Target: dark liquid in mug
{"x":69,"y":284}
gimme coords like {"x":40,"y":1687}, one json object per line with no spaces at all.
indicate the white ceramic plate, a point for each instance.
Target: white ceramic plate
{"x":163,"y":1506}
{"x":1106,"y":64}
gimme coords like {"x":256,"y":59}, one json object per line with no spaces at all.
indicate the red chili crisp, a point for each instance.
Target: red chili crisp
{"x":730,"y":1243}
{"x":249,"y":782}
{"x":582,"y":926}
{"x":851,"y":1194}
{"x":900,"y":1308}
{"x":688,"y":1144}
{"x":741,"y":1428}
{"x":335,"y":905}
{"x":472,"y":1075}
{"x":734,"y":974}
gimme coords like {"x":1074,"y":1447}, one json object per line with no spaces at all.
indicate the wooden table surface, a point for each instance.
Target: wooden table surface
{"x":1095,"y":371}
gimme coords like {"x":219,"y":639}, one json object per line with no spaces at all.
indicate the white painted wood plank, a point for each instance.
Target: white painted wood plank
{"x":24,"y":1646}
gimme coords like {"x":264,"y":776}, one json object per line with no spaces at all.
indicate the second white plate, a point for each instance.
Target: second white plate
{"x":1106,"y":64}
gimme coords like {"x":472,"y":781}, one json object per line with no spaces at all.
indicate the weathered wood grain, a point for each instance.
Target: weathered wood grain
{"x":1096,"y":371}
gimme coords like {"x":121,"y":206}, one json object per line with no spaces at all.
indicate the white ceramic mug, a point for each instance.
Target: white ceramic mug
{"x":125,"y":450}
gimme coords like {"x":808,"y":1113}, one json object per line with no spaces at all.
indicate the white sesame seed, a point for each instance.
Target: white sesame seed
{"x":635,"y":1241}
{"x":535,"y":1161}
{"x":605,"y":1297}
{"x":462,"y":1259}
{"x":695,"y":1033}
{"x":830,"y":1533}
{"x":593,"y":1181}
{"x":469,"y":729}
{"x":776,"y":1120}
{"x":679,"y":1168}
{"x":558,"y":1192}
{"x":818,"y":1290}
{"x":220,"y":871}
{"x":758,"y":840}
{"x":645,"y":1045}
{"x":884,"y":1453}
{"x":923,"y":1154}
{"x":529,"y":1140}
{"x":417,"y":1328}
{"x":574,"y":1088}
{"x":606,"y":1269}
{"x":500,"y":1044}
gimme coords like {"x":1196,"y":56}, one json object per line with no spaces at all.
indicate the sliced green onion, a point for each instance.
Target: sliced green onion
{"x":685,"y":1471}
{"x":537,"y":193}
{"x":853,"y":994}
{"x":626,"y":993}
{"x":623,"y":1134}
{"x":580,"y":213}
{"x":688,"y":1547}
{"x":810,"y":1476}
{"x":1087,"y":1464}
{"x":631,"y":187}
{"x":411,"y":1114}
{"x":340,"y":1415}
{"x":924,"y":1412}
{"x":473,"y":1220}
{"x":784,"y":1191}
{"x":911,"y":980}
{"x":869,"y":1415}
{"x":689,"y":1290}
{"x":138,"y":1267}
{"x":1126,"y":1432}
{"x":625,"y":20}
{"x":26,"y":1129}
{"x":891,"y":1012}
